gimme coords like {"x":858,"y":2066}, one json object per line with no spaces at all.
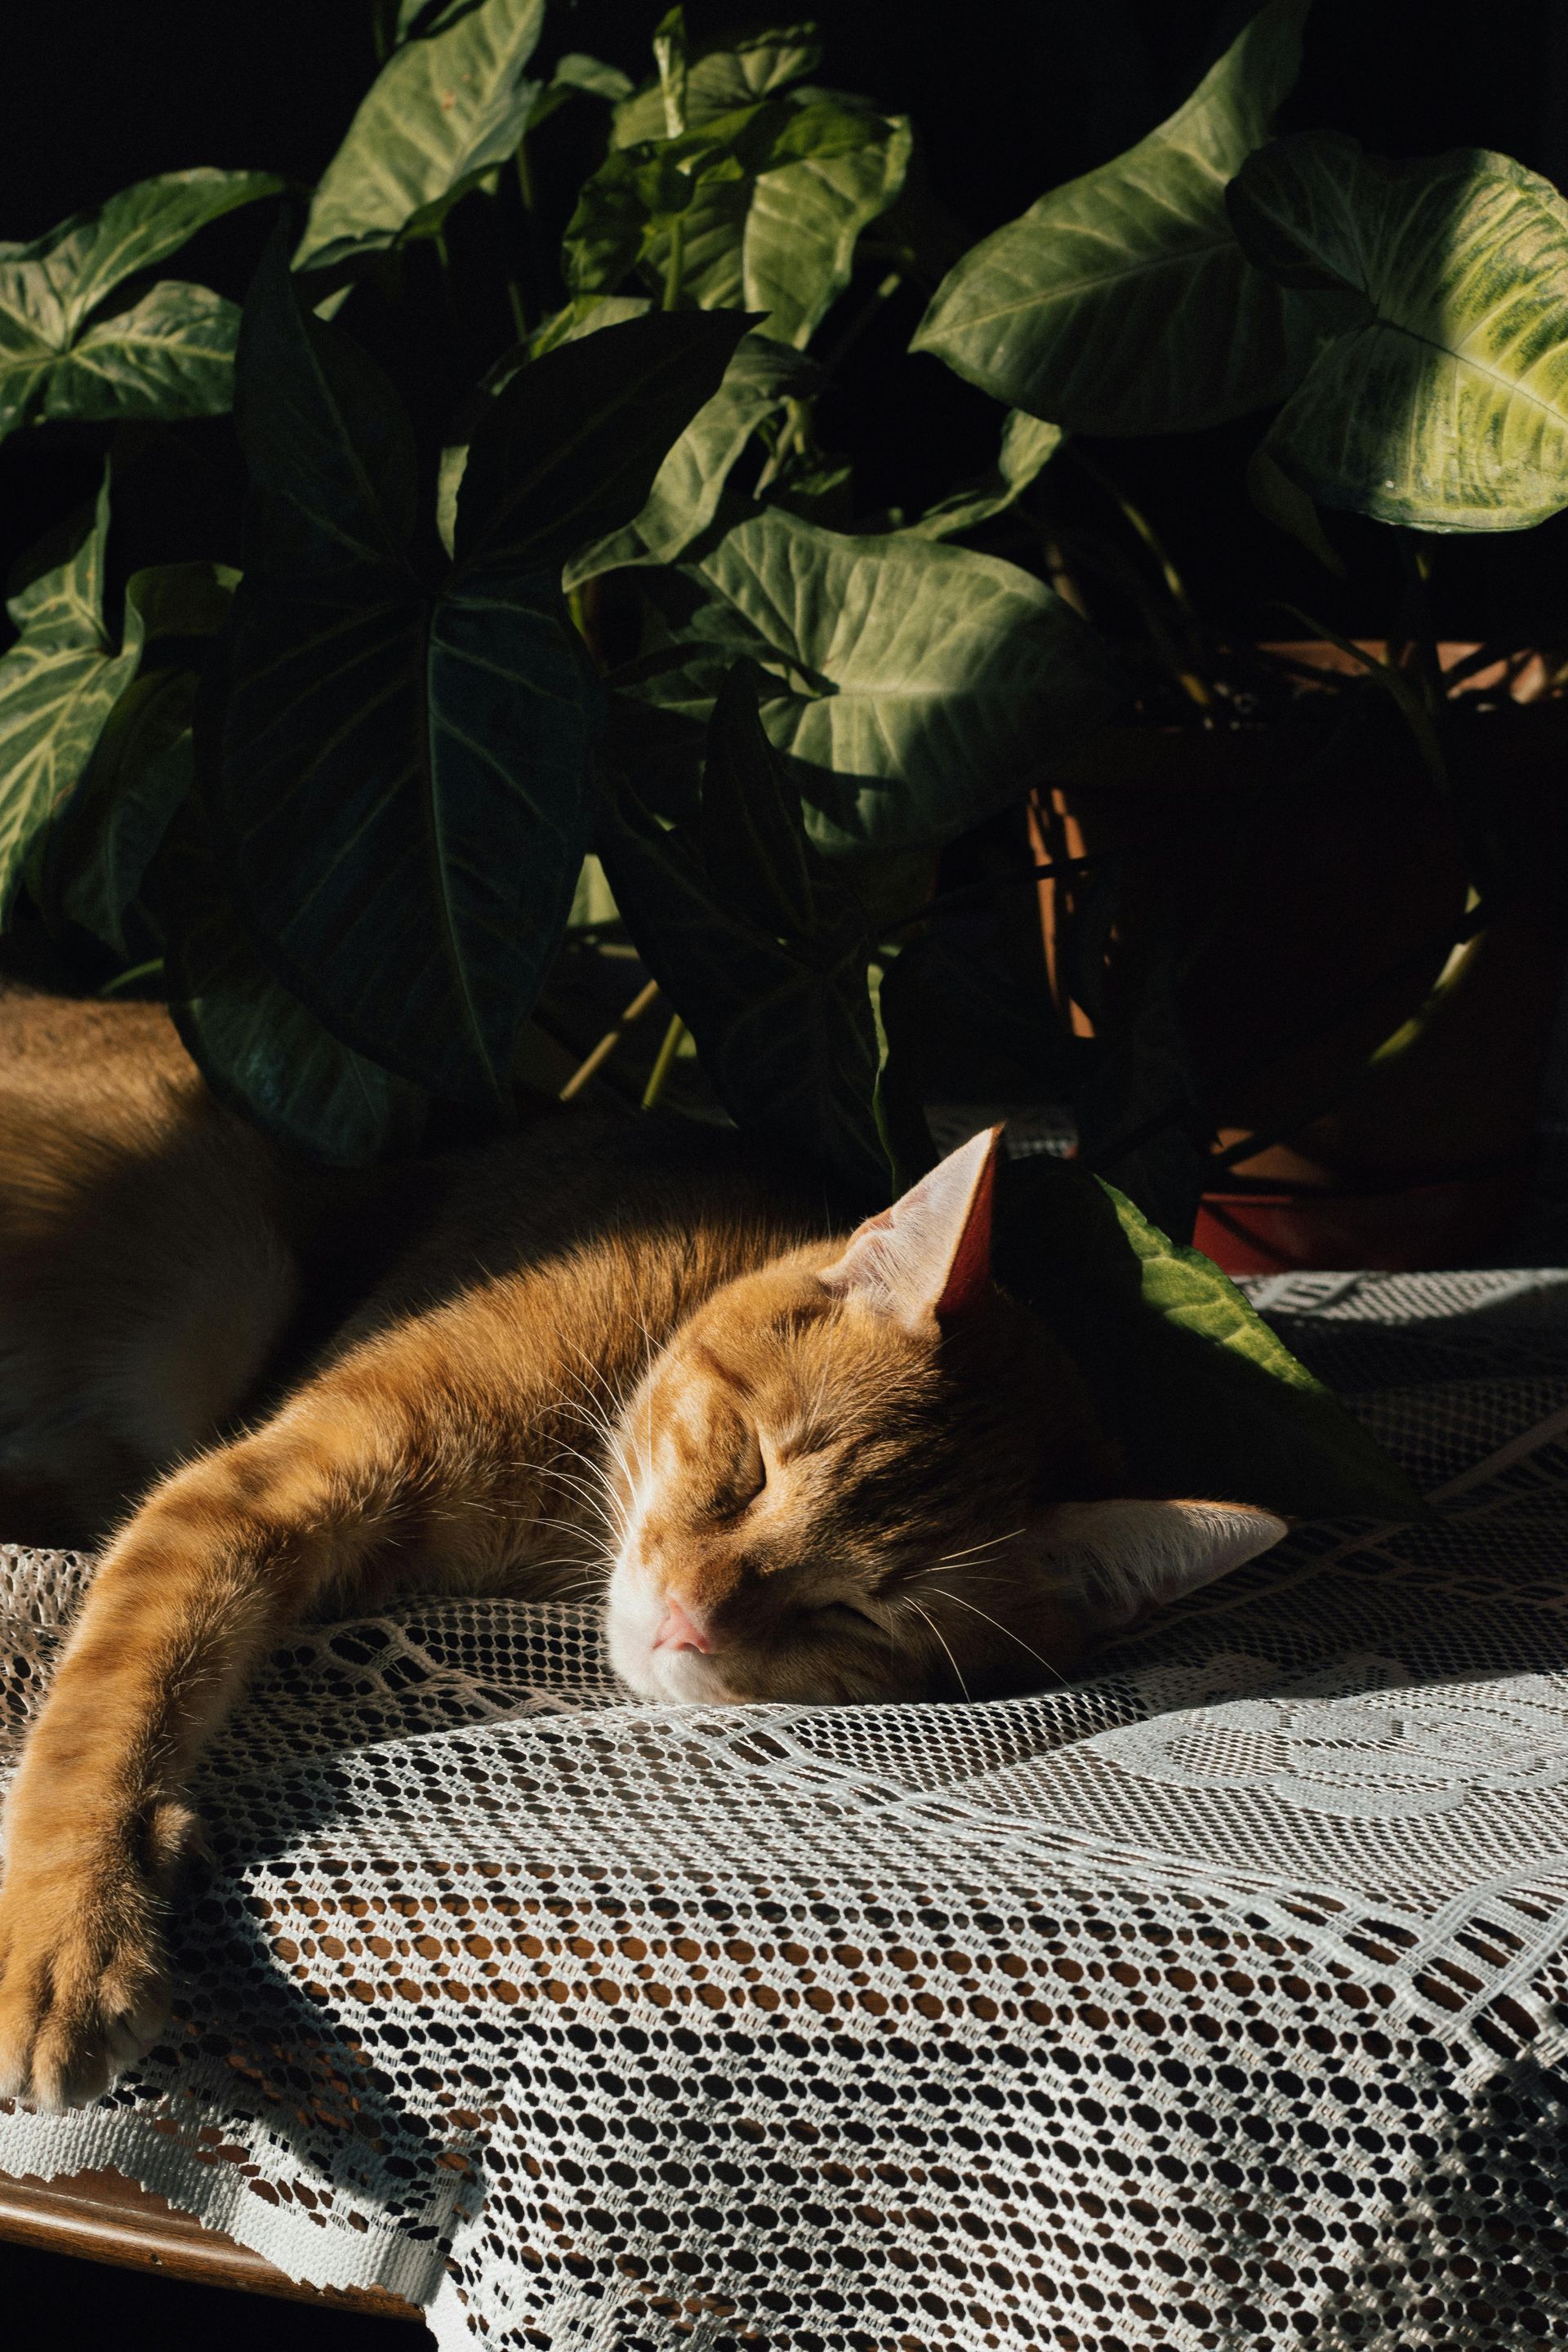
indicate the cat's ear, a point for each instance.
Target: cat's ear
{"x":928,"y":1256}
{"x":1120,"y":1558}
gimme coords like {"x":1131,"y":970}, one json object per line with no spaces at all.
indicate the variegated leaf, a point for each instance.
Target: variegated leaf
{"x":1122,"y":302}
{"x":1443,"y":403}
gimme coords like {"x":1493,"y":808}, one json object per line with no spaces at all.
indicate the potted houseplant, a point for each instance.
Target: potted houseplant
{"x":1326,"y":967}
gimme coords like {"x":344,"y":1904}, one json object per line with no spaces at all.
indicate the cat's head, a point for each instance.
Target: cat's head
{"x":863,"y":1473}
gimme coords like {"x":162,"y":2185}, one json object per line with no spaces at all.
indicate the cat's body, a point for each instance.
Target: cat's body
{"x":608,"y":1355}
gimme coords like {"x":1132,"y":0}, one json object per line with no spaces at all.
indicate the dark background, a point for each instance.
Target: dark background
{"x":1006,"y":101}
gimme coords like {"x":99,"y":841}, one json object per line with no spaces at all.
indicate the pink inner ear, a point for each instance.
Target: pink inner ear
{"x":929,"y":1254}
{"x":969,"y":1274}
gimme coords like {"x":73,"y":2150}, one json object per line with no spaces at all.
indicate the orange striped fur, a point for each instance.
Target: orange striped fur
{"x":610,"y":1356}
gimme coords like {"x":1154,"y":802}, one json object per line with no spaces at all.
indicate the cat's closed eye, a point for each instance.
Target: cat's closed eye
{"x":748,"y":1477}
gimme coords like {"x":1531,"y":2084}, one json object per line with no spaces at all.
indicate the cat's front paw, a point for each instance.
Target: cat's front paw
{"x":84,"y":1982}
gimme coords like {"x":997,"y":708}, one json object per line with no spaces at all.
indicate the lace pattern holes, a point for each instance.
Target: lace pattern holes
{"x":1212,"y":2001}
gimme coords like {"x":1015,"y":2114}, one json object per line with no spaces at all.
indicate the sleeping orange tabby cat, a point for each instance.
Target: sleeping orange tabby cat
{"x":799,"y":1464}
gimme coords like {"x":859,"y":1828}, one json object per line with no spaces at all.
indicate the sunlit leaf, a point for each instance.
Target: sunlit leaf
{"x":919,"y":687}
{"x":806,"y":214}
{"x":169,"y":352}
{"x":767,"y":200}
{"x":1122,"y":302}
{"x":1443,"y":403}
{"x":442,"y":112}
{"x":58,"y":684}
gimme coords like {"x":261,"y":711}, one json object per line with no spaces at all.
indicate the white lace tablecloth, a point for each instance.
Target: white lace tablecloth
{"x":1215,"y":2000}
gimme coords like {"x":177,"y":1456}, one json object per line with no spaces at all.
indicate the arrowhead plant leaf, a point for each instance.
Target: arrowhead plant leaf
{"x":684,"y":499}
{"x":917,"y":687}
{"x":1442,"y":404}
{"x":260,"y":1049}
{"x":168,"y":352}
{"x":721,"y":82}
{"x":572,"y":446}
{"x":142,"y":769}
{"x":58,"y":684}
{"x":768,"y":194}
{"x":1122,"y":302}
{"x":399,"y":772}
{"x":445,"y":110}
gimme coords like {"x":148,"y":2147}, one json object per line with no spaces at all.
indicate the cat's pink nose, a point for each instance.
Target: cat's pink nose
{"x":680,"y":1630}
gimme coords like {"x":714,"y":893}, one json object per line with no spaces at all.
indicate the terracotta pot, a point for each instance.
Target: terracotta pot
{"x":1340,"y":881}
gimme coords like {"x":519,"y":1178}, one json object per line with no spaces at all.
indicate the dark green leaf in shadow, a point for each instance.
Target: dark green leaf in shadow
{"x":758,"y":947}
{"x":108,"y":830}
{"x":444,"y":111}
{"x":258,"y":1046}
{"x":1122,"y":302}
{"x":1200,"y":1394}
{"x":572,"y":446}
{"x":399,"y":769}
{"x":748,"y":831}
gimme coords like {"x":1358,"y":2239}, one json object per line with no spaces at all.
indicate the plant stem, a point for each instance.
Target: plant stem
{"x":663,"y":1061}
{"x":675,"y":261}
{"x":608,"y":1042}
{"x":126,"y":978}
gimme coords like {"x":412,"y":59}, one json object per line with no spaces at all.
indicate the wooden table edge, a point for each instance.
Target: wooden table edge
{"x":103,"y":2217}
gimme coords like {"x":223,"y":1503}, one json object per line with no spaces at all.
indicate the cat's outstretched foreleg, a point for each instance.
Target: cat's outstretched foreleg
{"x":222,"y":1558}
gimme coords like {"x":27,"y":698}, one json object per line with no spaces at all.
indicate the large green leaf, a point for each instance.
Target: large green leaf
{"x":573,"y":444}
{"x":1203,"y":1397}
{"x":806,"y":214}
{"x":1122,"y":302}
{"x":259,"y":1048}
{"x":169,"y":353}
{"x":684,"y":499}
{"x":442,"y":112}
{"x":400,"y":776}
{"x":756,"y":944}
{"x":58,"y":684}
{"x":1444,"y":402}
{"x":918,"y":686}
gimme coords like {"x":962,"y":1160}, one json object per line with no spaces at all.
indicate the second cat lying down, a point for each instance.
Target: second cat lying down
{"x":798,"y":1463}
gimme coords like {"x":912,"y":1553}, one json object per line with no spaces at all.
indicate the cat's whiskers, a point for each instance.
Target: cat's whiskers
{"x":988,"y":1543}
{"x":599,"y":1496}
{"x":936,"y":1629}
{"x":959,"y":1602}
